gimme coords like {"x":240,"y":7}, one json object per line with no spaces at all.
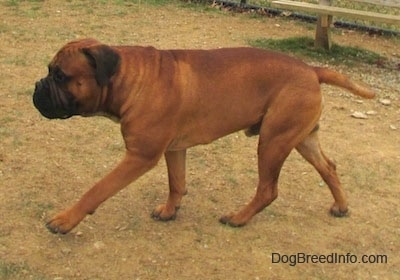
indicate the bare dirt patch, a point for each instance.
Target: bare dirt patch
{"x":46,"y":165}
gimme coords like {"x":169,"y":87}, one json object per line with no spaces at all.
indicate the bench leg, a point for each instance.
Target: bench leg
{"x":323,"y":33}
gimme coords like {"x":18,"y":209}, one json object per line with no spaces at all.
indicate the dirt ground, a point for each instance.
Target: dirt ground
{"x":47,"y":165}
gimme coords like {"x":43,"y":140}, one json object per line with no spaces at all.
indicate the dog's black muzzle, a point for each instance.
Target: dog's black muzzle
{"x":52,"y":102}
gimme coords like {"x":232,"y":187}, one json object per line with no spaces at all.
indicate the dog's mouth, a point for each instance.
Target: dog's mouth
{"x":52,"y":102}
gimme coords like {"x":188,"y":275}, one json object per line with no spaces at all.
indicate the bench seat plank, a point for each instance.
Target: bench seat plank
{"x":336,"y":11}
{"x":388,"y":3}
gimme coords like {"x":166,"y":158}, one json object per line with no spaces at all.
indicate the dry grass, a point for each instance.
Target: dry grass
{"x":46,"y":165}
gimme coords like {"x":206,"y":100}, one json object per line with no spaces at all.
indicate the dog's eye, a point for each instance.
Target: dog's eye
{"x":59,"y":77}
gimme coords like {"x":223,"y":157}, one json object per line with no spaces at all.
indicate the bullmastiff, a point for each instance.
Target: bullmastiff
{"x":170,"y":100}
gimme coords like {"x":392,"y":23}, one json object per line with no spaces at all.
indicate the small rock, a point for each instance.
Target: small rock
{"x":359,"y":115}
{"x":79,"y":233}
{"x":99,"y":245}
{"x":393,"y":127}
{"x":371,"y":113}
{"x":385,"y":101}
{"x":66,"y":251}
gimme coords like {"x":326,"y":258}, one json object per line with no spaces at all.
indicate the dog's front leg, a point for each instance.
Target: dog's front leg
{"x":176,"y":175}
{"x":129,"y":169}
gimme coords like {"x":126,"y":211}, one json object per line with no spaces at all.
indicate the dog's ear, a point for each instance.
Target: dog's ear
{"x":104,"y":60}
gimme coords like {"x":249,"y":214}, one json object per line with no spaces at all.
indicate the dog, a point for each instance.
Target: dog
{"x":167,"y":101}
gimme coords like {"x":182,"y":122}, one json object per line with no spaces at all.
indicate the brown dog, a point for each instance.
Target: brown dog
{"x":170,"y":100}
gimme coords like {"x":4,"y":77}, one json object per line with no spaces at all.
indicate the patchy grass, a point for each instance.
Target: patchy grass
{"x":304,"y":47}
{"x":16,"y":271}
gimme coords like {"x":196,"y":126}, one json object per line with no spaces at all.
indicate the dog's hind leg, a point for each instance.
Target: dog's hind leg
{"x":176,"y":175}
{"x":310,"y":149}
{"x":281,"y":131}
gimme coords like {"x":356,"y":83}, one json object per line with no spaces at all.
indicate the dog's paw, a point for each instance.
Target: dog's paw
{"x":232,"y":221}
{"x":163,"y":213}
{"x":64,"y":222}
{"x":337,"y":212}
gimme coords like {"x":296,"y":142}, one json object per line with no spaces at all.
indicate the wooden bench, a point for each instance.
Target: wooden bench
{"x":326,"y":11}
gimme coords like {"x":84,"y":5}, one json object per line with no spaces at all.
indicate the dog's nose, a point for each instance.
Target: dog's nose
{"x":38,"y":86}
{"x":41,"y":85}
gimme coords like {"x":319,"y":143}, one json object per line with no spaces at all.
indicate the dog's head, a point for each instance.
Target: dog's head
{"x":77,"y":76}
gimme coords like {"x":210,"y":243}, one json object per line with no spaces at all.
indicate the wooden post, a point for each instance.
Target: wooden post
{"x":323,"y":33}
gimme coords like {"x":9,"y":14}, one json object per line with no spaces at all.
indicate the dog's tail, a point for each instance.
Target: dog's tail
{"x":334,"y":78}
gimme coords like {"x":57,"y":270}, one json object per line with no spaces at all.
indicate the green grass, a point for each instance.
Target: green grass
{"x":14,"y":271}
{"x":151,"y":2}
{"x":9,"y":270}
{"x":304,"y":47}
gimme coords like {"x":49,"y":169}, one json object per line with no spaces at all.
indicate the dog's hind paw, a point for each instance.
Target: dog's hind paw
{"x":337,"y":212}
{"x":229,"y":220}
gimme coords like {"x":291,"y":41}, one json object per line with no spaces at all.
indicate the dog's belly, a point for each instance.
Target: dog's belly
{"x":185,"y":141}
{"x":214,"y":126}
